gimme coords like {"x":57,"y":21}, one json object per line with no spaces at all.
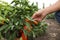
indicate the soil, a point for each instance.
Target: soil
{"x":53,"y":31}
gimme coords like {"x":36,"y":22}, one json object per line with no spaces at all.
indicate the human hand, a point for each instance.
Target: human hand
{"x":39,"y":15}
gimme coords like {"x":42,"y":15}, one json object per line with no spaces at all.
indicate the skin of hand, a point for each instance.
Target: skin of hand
{"x":41,"y":14}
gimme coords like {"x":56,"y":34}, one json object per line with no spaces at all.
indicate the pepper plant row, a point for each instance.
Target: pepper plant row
{"x":14,"y":18}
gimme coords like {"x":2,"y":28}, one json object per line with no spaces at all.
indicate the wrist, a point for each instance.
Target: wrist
{"x":45,"y":11}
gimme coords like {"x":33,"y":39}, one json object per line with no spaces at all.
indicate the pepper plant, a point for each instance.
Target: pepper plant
{"x":12,"y":20}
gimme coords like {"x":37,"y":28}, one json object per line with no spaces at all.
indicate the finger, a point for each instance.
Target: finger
{"x":38,"y":19}
{"x":34,"y":15}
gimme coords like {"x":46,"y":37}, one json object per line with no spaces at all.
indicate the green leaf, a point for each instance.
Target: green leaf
{"x":1,"y":18}
{"x":6,"y":30}
{"x":34,"y":34}
{"x":28,"y":25}
{"x":3,"y":27}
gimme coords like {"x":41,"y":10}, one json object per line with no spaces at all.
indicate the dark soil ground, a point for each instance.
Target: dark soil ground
{"x":53,"y":31}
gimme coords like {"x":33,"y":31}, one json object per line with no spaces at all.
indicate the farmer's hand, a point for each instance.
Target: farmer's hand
{"x":39,"y":15}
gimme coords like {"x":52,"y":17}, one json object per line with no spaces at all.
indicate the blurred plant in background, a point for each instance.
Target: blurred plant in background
{"x":50,"y":16}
